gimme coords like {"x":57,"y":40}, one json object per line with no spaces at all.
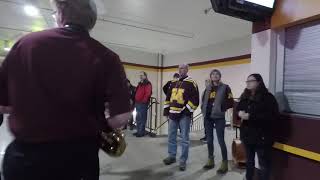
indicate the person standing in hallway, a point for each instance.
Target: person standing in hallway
{"x":143,"y":95}
{"x":166,"y":87}
{"x":217,"y":99}
{"x":132,"y":92}
{"x":181,"y":101}
{"x":258,"y":110}
{"x":208,"y":83}
{"x":55,"y":84}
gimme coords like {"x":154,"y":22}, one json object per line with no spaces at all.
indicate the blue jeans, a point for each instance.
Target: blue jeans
{"x":220,"y":125}
{"x":264,"y":157}
{"x":142,"y":115}
{"x":184,"y":124}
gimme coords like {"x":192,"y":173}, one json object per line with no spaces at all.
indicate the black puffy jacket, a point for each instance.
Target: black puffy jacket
{"x":264,"y":113}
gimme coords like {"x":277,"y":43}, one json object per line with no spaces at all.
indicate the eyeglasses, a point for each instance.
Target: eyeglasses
{"x":251,"y":81}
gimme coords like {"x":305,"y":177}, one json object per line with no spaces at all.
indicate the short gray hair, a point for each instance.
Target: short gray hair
{"x":184,"y":66}
{"x":78,"y":12}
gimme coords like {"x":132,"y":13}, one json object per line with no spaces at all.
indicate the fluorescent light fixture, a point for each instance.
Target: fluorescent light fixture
{"x":266,"y":3}
{"x":6,"y":49}
{"x":31,"y":10}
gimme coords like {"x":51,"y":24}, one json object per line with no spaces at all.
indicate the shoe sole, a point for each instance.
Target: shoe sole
{"x":222,"y":172}
{"x":182,"y":168}
{"x":208,"y":168}
{"x":167,"y":164}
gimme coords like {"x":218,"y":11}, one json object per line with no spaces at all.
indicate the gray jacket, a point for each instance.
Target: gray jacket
{"x":217,"y":109}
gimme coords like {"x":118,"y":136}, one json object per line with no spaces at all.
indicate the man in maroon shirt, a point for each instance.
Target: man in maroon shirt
{"x":55,"y":83}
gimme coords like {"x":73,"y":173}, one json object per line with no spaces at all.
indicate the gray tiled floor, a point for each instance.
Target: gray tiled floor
{"x":143,"y":161}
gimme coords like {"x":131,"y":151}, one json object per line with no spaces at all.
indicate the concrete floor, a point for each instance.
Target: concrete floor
{"x":143,"y":161}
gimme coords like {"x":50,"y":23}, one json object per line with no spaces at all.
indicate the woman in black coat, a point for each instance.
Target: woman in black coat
{"x":258,"y":110}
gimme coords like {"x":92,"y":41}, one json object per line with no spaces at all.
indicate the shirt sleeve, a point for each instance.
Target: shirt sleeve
{"x":230,"y":101}
{"x":166,"y":105}
{"x":166,"y":87}
{"x":117,"y":91}
{"x":193,"y":98}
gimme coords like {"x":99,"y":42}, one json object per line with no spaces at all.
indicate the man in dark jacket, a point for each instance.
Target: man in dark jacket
{"x":168,"y":84}
{"x":142,"y":99}
{"x":182,"y":100}
{"x":216,"y":100}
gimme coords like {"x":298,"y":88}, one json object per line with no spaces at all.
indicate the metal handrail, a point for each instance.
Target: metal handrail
{"x":162,"y":124}
{"x":196,"y":117}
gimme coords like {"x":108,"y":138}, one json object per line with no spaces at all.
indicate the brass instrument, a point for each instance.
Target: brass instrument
{"x":113,"y":143}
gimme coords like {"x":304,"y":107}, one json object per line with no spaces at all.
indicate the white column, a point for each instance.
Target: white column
{"x":263,"y":56}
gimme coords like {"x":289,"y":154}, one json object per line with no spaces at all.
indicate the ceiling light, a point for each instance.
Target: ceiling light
{"x":31,"y":10}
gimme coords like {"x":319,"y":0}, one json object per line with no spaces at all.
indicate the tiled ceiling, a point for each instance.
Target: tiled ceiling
{"x":163,"y":26}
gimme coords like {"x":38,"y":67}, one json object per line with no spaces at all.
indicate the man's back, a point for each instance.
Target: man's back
{"x":58,"y":81}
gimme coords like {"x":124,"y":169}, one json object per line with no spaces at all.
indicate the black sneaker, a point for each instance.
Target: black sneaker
{"x":182,"y":166}
{"x":169,"y":161}
{"x":139,"y":135}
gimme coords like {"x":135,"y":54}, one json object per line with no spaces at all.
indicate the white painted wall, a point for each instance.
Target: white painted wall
{"x":263,"y":56}
{"x":226,"y":49}
{"x":135,"y":56}
{"x":132,"y":56}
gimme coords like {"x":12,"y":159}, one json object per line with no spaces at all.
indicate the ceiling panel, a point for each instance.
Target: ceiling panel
{"x":152,"y":25}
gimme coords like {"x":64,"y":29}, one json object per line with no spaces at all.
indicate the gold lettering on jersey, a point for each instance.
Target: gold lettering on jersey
{"x":213,"y":95}
{"x":177,"y":95}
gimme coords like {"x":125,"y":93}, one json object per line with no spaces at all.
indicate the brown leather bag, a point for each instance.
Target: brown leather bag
{"x":239,"y":153}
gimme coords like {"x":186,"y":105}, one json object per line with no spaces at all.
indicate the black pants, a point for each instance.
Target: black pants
{"x":52,"y":161}
{"x":264,"y":157}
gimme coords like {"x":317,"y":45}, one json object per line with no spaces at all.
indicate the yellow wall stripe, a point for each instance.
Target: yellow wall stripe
{"x":194,"y":67}
{"x":211,"y":65}
{"x":139,"y":68}
{"x":297,"y":151}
